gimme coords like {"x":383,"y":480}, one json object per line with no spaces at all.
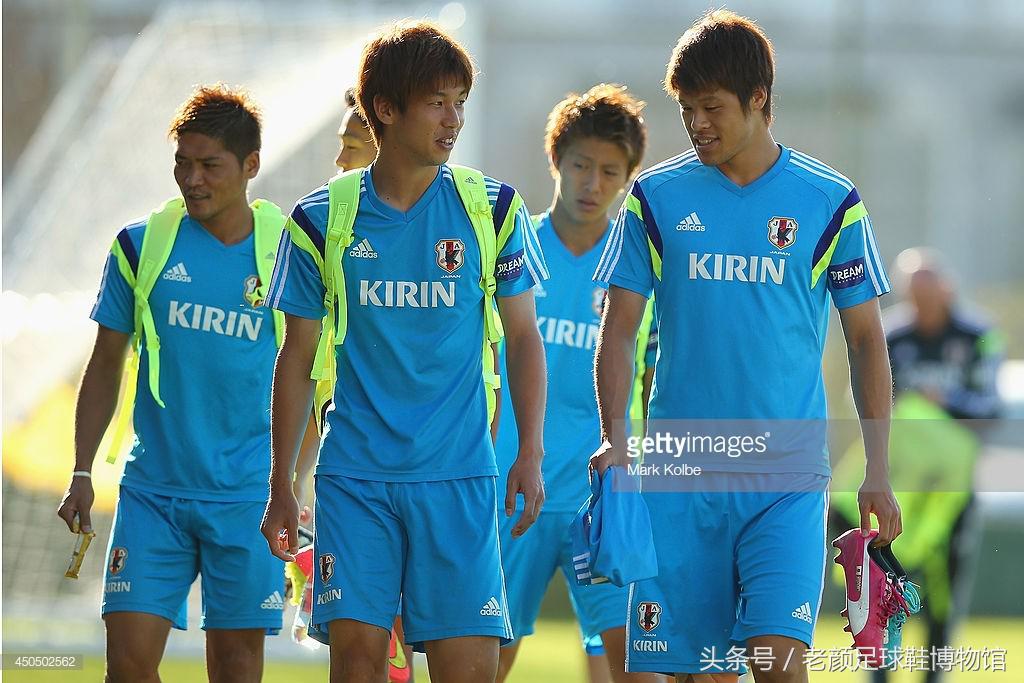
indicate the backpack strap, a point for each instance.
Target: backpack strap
{"x":157,"y":242}
{"x":343,"y":205}
{"x":268,"y":224}
{"x":470,"y":184}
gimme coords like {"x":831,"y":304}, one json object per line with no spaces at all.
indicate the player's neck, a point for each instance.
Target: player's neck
{"x":578,"y":237}
{"x":232,"y":225}
{"x":398,"y":180}
{"x":753,"y":161}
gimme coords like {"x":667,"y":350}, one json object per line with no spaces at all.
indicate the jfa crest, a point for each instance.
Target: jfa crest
{"x":249,"y":293}
{"x":326,"y":567}
{"x":649,"y":614}
{"x":118,"y":556}
{"x":782,"y":231}
{"x":451,"y":254}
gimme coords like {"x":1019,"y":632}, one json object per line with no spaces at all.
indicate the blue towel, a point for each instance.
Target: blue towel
{"x":611,"y":534}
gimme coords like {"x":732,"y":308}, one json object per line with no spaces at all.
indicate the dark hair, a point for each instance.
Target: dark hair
{"x":406,"y":59}
{"x":222,"y":113}
{"x":723,"y":50}
{"x":351,"y":103}
{"x":607,"y":112}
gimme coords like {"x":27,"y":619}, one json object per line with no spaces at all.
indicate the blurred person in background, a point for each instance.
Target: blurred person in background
{"x":594,"y":142}
{"x":195,"y":484}
{"x":946,"y":353}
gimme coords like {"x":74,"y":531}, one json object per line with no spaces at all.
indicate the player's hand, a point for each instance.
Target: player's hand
{"x":604,"y":457}
{"x":77,"y":501}
{"x":876,"y":496}
{"x":281,"y":524}
{"x":524,"y":477}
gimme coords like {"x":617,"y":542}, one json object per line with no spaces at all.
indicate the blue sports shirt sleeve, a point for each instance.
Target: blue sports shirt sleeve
{"x":626,"y":261}
{"x":115,"y":302}
{"x":520,"y":264}
{"x":296,"y":287}
{"x":854,"y":272}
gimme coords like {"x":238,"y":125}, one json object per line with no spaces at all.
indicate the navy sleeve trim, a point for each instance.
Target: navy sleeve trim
{"x":302,"y":220}
{"x":129,"y":250}
{"x":502,"y":205}
{"x":649,"y":223}
{"x":834,"y":226}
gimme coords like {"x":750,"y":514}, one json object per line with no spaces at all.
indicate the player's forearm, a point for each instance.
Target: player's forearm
{"x":290,"y":407}
{"x":527,"y":387}
{"x":97,"y":400}
{"x":97,"y":395}
{"x":613,"y":374}
{"x":871,"y":380}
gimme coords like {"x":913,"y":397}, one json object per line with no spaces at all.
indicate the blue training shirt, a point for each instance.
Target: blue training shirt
{"x":744,"y":278}
{"x":568,"y":318}
{"x":569,"y":308}
{"x":212,"y":440}
{"x":409,"y":404}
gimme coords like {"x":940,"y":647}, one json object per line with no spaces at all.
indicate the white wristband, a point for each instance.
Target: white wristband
{"x":82,"y":473}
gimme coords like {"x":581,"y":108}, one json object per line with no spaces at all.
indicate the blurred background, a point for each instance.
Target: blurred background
{"x":920,"y":103}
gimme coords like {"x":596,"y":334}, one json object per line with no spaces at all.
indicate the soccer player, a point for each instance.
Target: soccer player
{"x":194,"y":488}
{"x":406,"y":454}
{"x":594,"y":142}
{"x":356,"y":147}
{"x":743,"y":241}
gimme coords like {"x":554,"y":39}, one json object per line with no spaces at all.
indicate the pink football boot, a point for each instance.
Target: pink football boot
{"x":870,"y":598}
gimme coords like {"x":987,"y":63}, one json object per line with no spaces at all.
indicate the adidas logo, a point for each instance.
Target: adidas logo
{"x":362,"y":250}
{"x":177,"y":273}
{"x":691,"y":223}
{"x":273,"y":601}
{"x":491,"y":609}
{"x":803,"y":613}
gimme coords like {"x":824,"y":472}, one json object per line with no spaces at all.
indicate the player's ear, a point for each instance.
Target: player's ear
{"x":553,"y":165}
{"x":251,"y":165}
{"x":758,"y":99}
{"x":384,"y":108}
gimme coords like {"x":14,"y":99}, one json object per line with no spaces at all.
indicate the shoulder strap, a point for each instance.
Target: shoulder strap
{"x":343,"y":205}
{"x":470,"y":184}
{"x":157,"y":242}
{"x":268,"y":224}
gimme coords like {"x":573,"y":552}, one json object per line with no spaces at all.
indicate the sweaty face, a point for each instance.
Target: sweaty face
{"x":210,"y":177}
{"x":426,"y":131}
{"x":718,"y":127}
{"x":356,"y":148}
{"x":590,"y":175}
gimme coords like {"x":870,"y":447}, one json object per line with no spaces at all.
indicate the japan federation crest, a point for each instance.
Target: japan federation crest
{"x":451,"y":254}
{"x":326,"y":567}
{"x":251,"y":291}
{"x":649,"y":615}
{"x":782,"y":231}
{"x":118,"y":556}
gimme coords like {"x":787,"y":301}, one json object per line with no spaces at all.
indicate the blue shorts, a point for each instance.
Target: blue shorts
{"x":530,"y":562}
{"x":159,"y":544}
{"x":731,"y":565}
{"x":435,"y":544}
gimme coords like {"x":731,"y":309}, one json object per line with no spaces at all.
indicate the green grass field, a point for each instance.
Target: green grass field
{"x":553,"y":655}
